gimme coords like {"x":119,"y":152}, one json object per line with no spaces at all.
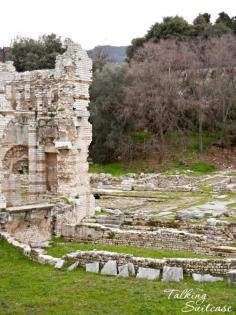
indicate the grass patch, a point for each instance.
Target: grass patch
{"x":202,"y":167}
{"x":232,"y":174}
{"x":231,"y":205}
{"x":123,"y":168}
{"x":29,"y":288}
{"x":60,"y":247}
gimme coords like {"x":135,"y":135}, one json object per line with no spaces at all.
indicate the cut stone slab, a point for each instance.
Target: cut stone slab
{"x":60,"y":263}
{"x":126,"y":270}
{"x":73,"y":266}
{"x":110,"y":268}
{"x":172,"y":274}
{"x":206,"y":278}
{"x":127,"y":184}
{"x":92,"y":267}
{"x":164,"y":213}
{"x":148,"y":273}
{"x":232,"y":278}
{"x":214,"y":222}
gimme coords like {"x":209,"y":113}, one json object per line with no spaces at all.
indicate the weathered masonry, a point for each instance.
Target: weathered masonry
{"x":44,"y":139}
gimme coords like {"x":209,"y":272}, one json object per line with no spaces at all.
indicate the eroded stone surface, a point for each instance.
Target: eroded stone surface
{"x":73,"y":266}
{"x":148,"y":273}
{"x":44,"y":140}
{"x":206,"y":278}
{"x":172,"y":274}
{"x":126,"y":270}
{"x":110,"y":268}
{"x":232,"y":278}
{"x":92,"y":267}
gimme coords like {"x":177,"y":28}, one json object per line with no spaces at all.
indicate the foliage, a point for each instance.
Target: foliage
{"x":29,"y":54}
{"x":176,"y":27}
{"x":106,"y":95}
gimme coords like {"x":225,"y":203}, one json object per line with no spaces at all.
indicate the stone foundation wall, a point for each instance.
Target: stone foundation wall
{"x":212,"y":266}
{"x":168,"y":239}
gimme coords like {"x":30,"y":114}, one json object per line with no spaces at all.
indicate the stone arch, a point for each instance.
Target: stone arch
{"x":16,"y":179}
{"x":16,"y":160}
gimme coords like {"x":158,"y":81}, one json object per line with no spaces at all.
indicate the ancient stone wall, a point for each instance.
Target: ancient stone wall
{"x":161,"y":238}
{"x":189,"y":265}
{"x":45,"y":134}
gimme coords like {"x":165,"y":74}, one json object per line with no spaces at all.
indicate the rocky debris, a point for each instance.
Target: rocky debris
{"x":164,"y":213}
{"x":60,"y":263}
{"x":144,"y":182}
{"x":110,"y":268}
{"x":206,"y":278}
{"x":214,"y":208}
{"x":224,"y":188}
{"x":73,"y":266}
{"x":113,"y":211}
{"x":189,"y":214}
{"x":92,"y":267}
{"x":197,"y":190}
{"x":215,"y":222}
{"x":98,"y":209}
{"x":127,"y":184}
{"x":148,"y":273}
{"x":172,"y":274}
{"x":232,"y":278}
{"x":126,"y":270}
{"x":221,"y":196}
{"x":147,"y":187}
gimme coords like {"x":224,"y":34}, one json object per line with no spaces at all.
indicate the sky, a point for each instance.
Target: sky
{"x":98,"y":22}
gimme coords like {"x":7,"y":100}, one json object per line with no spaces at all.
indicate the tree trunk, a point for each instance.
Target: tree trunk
{"x":200,"y":130}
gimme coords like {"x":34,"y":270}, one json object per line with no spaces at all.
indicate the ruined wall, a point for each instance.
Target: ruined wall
{"x":161,"y":238}
{"x":189,"y":265}
{"x":45,"y":134}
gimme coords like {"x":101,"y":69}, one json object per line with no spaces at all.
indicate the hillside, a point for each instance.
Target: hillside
{"x":115,"y":54}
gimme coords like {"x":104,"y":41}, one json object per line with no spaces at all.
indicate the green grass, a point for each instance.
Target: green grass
{"x":202,"y":167}
{"x":231,"y":205}
{"x":29,"y":288}
{"x":123,"y":168}
{"x":59,"y":248}
{"x":119,"y":169}
{"x":197,"y":169}
{"x":232,"y":174}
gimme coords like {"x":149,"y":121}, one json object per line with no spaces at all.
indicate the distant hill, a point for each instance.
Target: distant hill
{"x":116,"y":54}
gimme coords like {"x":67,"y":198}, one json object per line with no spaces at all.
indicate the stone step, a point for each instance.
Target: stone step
{"x":89,"y":220}
{"x":101,"y":221}
{"x":112,"y":226}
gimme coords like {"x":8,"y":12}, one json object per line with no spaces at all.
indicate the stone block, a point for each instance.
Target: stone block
{"x":232,"y":278}
{"x":110,"y":268}
{"x":60,"y":263}
{"x":172,"y":274}
{"x":148,"y":273}
{"x":206,"y":278}
{"x":126,"y":270}
{"x":73,"y":266}
{"x":92,"y":267}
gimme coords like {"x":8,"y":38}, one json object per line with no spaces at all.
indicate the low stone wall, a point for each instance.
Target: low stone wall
{"x":189,"y":265}
{"x":168,"y":239}
{"x":212,"y":266}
